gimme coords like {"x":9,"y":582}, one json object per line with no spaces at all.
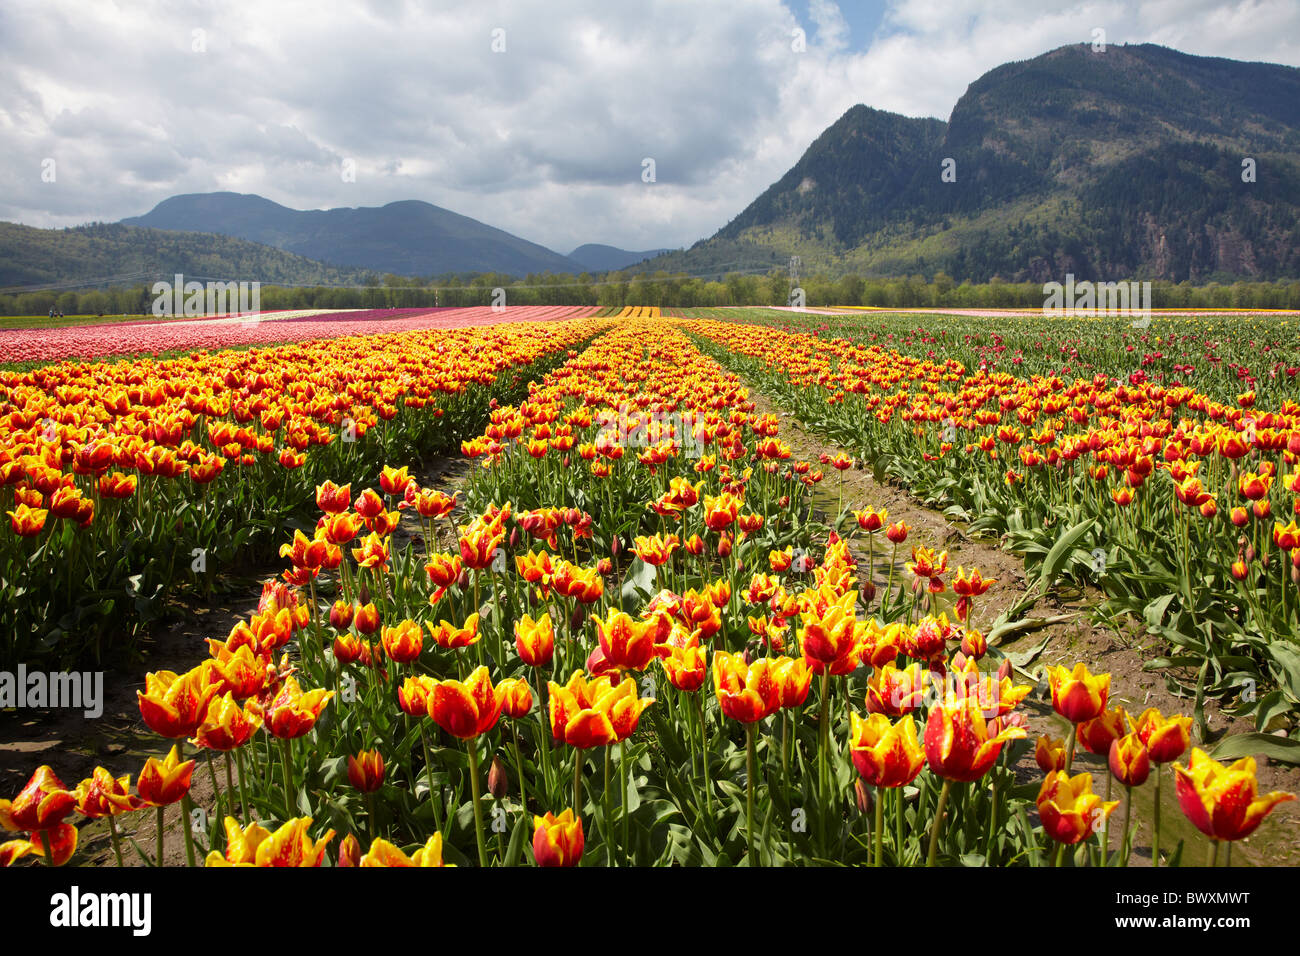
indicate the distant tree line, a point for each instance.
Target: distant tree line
{"x":661,"y":289}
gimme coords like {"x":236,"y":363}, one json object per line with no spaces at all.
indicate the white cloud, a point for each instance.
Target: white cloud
{"x":546,"y":139}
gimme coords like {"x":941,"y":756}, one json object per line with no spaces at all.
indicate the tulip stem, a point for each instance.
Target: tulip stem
{"x":889,"y":584}
{"x":704,"y":755}
{"x":497,"y":811}
{"x":933,"y":854}
{"x":117,"y":843}
{"x":1155,"y":829}
{"x":785,"y":752}
{"x":1128,"y":815}
{"x":286,"y":749}
{"x":243,"y":783}
{"x":478,"y":810}
{"x":435,"y":797}
{"x":880,"y":827}
{"x":519,"y":766}
{"x":823,"y":730}
{"x":1105,"y":823}
{"x":230,"y":787}
{"x":991,"y":848}
{"x":544,"y":734}
{"x":898,"y":826}
{"x":158,"y":838}
{"x":217,"y":798}
{"x":45,"y":845}
{"x":623,"y":784}
{"x":577,"y":781}
{"x":186,"y":804}
{"x":749,"y":788}
{"x":608,"y":828}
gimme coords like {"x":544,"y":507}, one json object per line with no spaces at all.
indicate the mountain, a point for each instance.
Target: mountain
{"x":594,"y":257}
{"x":1127,"y":162}
{"x":410,"y":237}
{"x":111,"y":253}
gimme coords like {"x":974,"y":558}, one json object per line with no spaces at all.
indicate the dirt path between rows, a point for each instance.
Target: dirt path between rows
{"x":1275,"y":843}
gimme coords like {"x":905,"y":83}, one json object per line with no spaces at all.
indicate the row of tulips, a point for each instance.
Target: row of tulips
{"x":124,"y":479}
{"x":675,"y":678}
{"x":1180,"y":507}
{"x":1218,"y":354}
{"x":92,"y":342}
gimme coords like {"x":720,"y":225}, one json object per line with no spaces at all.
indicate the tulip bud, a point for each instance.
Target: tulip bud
{"x":347,"y":649}
{"x":1004,"y":670}
{"x":349,"y":851}
{"x":1250,"y":554}
{"x":366,"y":771}
{"x":498,"y":783}
{"x":341,"y":615}
{"x":958,"y":660}
{"x":863,"y":797}
{"x":616,"y":546}
{"x":514,"y":537}
{"x":462,"y":579}
{"x":868,"y":590}
{"x":1129,"y":762}
{"x":605,"y":566}
{"x":577,"y":618}
{"x":974,"y":644}
{"x":363,"y":595}
{"x":1049,"y":754}
{"x":366,"y":619}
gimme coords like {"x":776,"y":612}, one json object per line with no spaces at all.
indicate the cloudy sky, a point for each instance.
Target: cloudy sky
{"x":535,"y":117}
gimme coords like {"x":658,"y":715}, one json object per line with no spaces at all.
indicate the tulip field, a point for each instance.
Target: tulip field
{"x":643,"y":631}
{"x":130,"y":478}
{"x":1180,"y":502}
{"x":124,"y":338}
